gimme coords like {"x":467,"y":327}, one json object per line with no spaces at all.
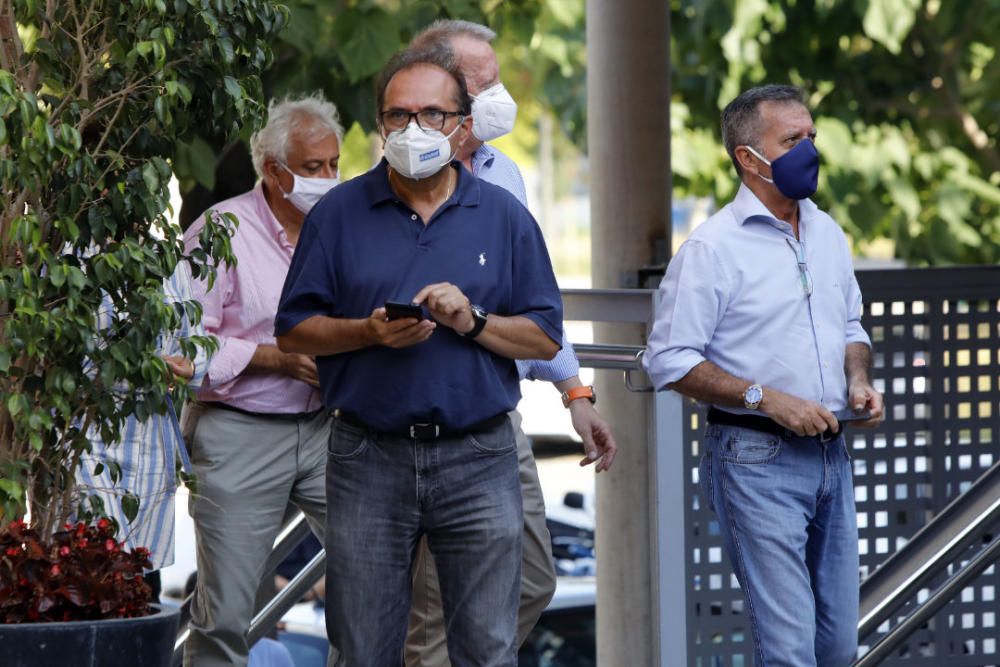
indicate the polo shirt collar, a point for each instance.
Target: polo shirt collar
{"x":746,"y":206}
{"x":380,"y":191}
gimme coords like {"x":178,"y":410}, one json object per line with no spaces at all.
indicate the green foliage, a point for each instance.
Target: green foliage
{"x":107,"y":95}
{"x":905,"y":99}
{"x":904,"y":93}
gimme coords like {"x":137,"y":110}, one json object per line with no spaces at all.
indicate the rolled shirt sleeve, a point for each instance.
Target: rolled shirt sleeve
{"x":854,"y":332}
{"x":561,"y":367}
{"x":691,"y":300}
{"x":234,"y":354}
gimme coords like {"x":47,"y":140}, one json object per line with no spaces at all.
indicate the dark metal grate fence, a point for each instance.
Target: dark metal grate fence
{"x":936,"y":334}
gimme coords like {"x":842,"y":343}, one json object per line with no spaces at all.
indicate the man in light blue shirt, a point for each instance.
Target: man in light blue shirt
{"x":760,"y":317}
{"x":493,"y":112}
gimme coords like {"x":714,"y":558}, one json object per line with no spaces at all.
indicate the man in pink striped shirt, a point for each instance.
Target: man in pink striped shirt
{"x":258,"y":431}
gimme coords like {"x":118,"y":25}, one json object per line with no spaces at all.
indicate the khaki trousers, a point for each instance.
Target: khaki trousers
{"x":426,"y":645}
{"x":248,"y":469}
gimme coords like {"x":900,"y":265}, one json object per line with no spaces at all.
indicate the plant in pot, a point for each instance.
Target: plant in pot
{"x":100,"y":101}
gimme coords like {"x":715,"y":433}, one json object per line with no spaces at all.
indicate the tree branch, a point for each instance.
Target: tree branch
{"x":10,"y":42}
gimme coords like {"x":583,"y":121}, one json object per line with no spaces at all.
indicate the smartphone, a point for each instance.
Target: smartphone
{"x":849,"y":415}
{"x":395,"y":310}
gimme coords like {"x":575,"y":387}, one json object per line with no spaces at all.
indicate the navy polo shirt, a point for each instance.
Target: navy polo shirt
{"x":360,"y":246}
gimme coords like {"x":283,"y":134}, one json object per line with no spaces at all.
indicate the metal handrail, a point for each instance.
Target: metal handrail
{"x":268,"y":617}
{"x":965,"y":520}
{"x":613,"y":357}
{"x":931,"y":606}
{"x":291,"y":535}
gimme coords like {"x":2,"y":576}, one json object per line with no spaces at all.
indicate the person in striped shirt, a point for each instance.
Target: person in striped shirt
{"x":145,"y":456}
{"x":493,"y":112}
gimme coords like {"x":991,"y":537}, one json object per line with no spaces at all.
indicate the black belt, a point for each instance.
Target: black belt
{"x":763,"y":424}
{"x":424,"y":430}
{"x":280,"y":416}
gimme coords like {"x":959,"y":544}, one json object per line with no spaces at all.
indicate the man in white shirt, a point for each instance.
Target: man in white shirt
{"x":760,"y":318}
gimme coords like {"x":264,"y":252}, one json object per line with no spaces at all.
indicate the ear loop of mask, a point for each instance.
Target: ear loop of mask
{"x":762,"y":159}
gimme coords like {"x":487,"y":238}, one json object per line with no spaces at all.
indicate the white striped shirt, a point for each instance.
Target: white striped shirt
{"x":147,"y":451}
{"x":494,"y":167}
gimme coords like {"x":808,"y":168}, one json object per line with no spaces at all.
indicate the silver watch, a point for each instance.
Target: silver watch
{"x":752,"y":397}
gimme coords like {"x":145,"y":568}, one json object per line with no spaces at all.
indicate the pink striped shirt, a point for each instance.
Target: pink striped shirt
{"x":239,"y":311}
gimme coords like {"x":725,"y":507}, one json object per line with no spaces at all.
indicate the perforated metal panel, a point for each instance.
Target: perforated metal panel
{"x":936,"y":334}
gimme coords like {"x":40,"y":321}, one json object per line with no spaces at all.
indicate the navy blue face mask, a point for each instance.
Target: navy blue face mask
{"x":796,"y":173}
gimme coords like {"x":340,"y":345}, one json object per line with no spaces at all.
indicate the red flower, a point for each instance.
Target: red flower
{"x":102,"y":524}
{"x":110,"y":545}
{"x":13,"y":551}
{"x":55,"y":571}
{"x":64,"y":551}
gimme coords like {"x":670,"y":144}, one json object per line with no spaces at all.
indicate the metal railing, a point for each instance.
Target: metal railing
{"x":926,"y":556}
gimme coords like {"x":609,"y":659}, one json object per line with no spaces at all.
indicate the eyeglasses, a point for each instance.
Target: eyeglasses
{"x":427,"y":119}
{"x":804,"y":276}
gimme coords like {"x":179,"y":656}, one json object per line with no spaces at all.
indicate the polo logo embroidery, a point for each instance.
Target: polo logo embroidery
{"x":430,"y":154}
{"x":482,"y":259}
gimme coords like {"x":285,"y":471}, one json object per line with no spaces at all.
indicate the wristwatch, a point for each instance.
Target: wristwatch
{"x":479,"y":316}
{"x":752,"y":397}
{"x":571,"y":395}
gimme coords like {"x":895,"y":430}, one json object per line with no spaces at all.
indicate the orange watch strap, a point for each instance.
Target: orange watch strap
{"x":574,"y":393}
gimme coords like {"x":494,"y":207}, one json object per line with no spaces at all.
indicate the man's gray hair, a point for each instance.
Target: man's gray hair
{"x":442,"y":31}
{"x":314,"y":111}
{"x":741,"y":117}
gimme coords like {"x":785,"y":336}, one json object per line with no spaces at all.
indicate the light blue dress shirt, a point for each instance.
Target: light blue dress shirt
{"x":494,"y":167}
{"x":747,"y":296}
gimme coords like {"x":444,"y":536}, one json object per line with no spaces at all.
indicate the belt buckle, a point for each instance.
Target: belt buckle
{"x":424,"y":431}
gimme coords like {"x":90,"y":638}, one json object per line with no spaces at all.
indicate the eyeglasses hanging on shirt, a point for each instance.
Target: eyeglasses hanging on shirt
{"x":804,"y":276}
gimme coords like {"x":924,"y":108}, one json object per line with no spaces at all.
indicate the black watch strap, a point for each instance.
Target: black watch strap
{"x":479,"y":316}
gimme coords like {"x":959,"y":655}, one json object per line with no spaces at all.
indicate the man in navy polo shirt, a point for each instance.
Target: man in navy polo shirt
{"x":422,"y":444}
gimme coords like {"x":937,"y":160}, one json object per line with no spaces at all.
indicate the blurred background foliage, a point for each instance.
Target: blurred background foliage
{"x":905,"y":93}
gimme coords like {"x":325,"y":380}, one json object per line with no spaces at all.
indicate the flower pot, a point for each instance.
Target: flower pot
{"x":118,"y":642}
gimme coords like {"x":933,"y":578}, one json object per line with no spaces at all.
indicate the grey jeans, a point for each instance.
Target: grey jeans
{"x":389,"y":491}
{"x":248,"y":469}
{"x":425,"y":642}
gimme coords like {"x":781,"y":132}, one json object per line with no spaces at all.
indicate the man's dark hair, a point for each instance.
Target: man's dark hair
{"x":437,"y":56}
{"x":741,"y":117}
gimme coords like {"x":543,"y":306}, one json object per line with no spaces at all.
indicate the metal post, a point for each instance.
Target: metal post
{"x":628,"y":136}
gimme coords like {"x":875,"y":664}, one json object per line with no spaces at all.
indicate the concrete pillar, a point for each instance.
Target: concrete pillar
{"x":628,"y":132}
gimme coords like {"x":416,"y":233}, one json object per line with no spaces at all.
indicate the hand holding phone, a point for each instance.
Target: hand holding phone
{"x":395,"y":310}
{"x":849,"y":415}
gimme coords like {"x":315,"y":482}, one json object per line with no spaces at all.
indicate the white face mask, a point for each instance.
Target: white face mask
{"x":416,"y":153}
{"x":493,"y":113}
{"x":307,"y":191}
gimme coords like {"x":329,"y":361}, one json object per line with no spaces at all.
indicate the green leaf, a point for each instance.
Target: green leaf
{"x":370,"y":39}
{"x":57,"y":275}
{"x":15,"y":402}
{"x":226,"y":49}
{"x":12,"y":488}
{"x":130,"y":506}
{"x":232,"y":87}
{"x":888,"y":22}
{"x":4,"y":360}
{"x":160,"y":109}
{"x":150,"y":177}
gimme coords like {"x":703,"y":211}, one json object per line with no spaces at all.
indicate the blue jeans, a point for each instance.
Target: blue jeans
{"x":384,"y":493}
{"x":786,"y":514}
